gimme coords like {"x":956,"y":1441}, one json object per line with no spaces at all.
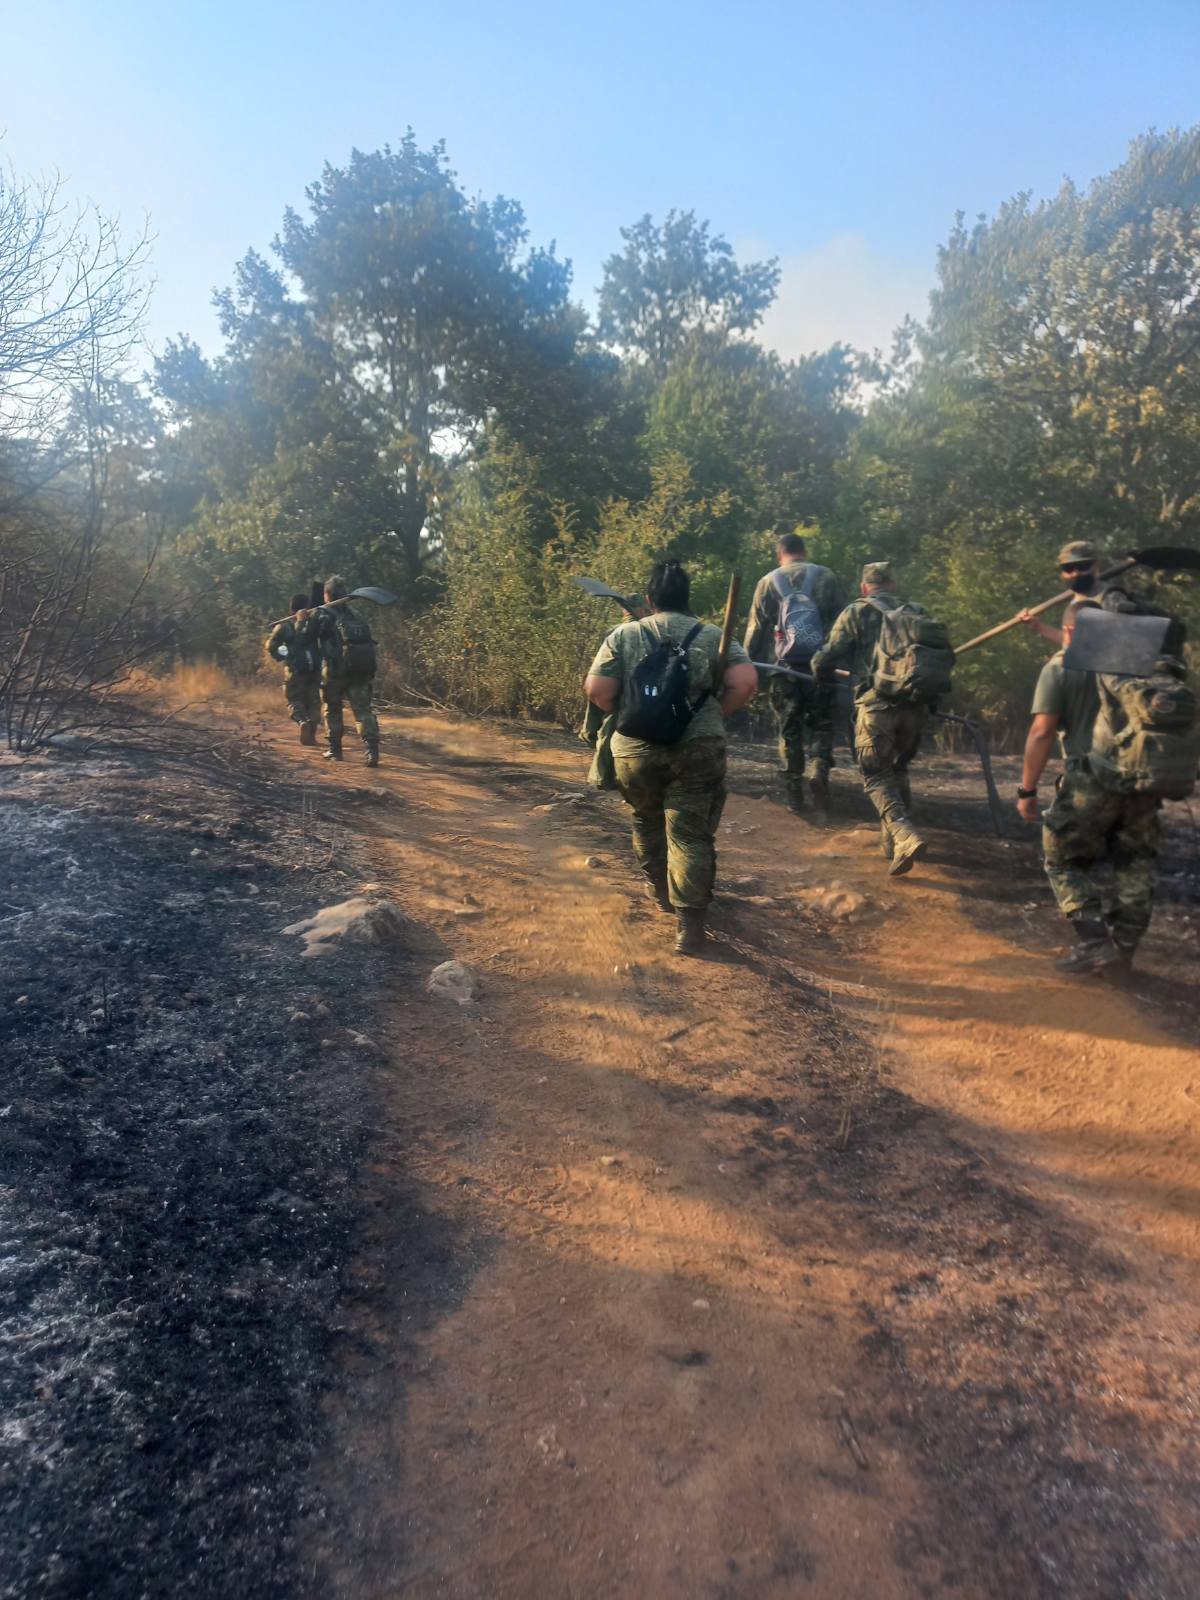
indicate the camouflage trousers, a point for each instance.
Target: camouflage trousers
{"x":1087,"y":824}
{"x":677,"y":794}
{"x":886,"y":738}
{"x":335,"y":692}
{"x":804,"y":723}
{"x":302,"y":691}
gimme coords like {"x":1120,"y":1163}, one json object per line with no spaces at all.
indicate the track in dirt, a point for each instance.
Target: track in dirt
{"x":739,"y":1278}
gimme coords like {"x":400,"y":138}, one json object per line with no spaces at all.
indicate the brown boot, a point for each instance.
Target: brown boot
{"x":907,"y":847}
{"x":690,"y":938}
{"x":308,"y":734}
{"x":372,"y":752}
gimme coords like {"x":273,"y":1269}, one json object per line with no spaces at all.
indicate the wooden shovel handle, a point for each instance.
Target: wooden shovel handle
{"x":731,"y":600}
{"x":1036,"y":611}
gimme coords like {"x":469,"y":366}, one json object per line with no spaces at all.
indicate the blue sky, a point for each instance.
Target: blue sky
{"x":840,"y":138}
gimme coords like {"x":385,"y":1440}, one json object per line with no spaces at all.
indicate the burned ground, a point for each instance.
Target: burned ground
{"x":178,"y":1166}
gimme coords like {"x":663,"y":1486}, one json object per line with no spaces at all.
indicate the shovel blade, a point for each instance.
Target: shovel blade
{"x":593,"y":586}
{"x":1114,"y":641}
{"x":377,"y":597}
{"x":1168,"y":558}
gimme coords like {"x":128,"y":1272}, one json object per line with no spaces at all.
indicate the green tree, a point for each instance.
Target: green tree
{"x":674,"y":280}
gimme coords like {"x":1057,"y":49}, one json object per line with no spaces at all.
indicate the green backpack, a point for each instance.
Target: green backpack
{"x":1145,"y":740}
{"x":356,"y":654}
{"x":913,"y":658}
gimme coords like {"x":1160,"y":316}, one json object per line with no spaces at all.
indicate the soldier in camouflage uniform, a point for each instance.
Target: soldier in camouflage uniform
{"x":803,"y":710}
{"x":294,"y":643}
{"x":886,"y":735}
{"x":1087,"y":823}
{"x":676,"y":791}
{"x":342,"y":680}
{"x":1079,"y":569}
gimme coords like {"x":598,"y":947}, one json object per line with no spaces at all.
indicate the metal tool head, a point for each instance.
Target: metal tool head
{"x":1115,"y":641}
{"x":602,"y":591}
{"x":377,"y":597}
{"x":1168,"y":558}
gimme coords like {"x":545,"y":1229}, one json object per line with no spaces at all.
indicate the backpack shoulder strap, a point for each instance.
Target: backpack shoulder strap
{"x":810,"y":578}
{"x":877,"y":605}
{"x":780,"y":584}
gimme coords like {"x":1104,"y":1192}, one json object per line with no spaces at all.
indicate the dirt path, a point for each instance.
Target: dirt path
{"x":743,"y":1278}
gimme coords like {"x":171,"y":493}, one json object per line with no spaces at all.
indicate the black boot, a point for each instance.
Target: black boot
{"x":690,"y":937}
{"x":334,"y":753}
{"x":1094,"y":950}
{"x":308,"y":733}
{"x":372,"y":752}
{"x":818,"y":787}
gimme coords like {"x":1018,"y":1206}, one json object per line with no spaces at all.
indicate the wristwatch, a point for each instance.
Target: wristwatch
{"x":1026,"y":794}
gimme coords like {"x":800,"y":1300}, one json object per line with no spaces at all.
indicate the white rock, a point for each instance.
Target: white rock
{"x":360,"y":920}
{"x":454,"y":980}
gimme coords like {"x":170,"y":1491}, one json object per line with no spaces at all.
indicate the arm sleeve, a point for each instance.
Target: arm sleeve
{"x":737,"y":653}
{"x":838,"y":649}
{"x":1049,"y":697}
{"x":761,"y":625}
{"x":607,"y":661}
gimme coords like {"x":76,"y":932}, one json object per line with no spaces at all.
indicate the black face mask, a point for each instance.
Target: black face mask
{"x":1081,"y":582}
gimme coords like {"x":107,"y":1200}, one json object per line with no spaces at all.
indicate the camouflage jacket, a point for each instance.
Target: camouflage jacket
{"x":828,"y":596}
{"x":853,"y":637}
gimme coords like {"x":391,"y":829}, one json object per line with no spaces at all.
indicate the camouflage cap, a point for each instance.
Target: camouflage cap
{"x":876,"y":572}
{"x":1076,"y":551}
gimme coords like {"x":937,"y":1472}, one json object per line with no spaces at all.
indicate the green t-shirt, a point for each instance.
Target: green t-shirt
{"x":1072,"y":697}
{"x":624,"y":648}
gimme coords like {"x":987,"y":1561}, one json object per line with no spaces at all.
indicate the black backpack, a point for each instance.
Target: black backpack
{"x":659,"y":709}
{"x":356,"y":652}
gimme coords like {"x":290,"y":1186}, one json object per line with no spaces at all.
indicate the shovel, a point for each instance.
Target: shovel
{"x":377,"y":597}
{"x":601,"y":591}
{"x":1159,"y":557}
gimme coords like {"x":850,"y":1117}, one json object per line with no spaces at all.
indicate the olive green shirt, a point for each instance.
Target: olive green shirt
{"x":853,"y":637}
{"x":1073,"y":698}
{"x":828,"y":596}
{"x":624,"y":648}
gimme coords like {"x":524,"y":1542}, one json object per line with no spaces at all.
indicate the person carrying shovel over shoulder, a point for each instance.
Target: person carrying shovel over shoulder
{"x":1129,"y":741}
{"x":660,"y":676}
{"x":293,"y":643}
{"x":1079,"y":569}
{"x":350,"y":658}
{"x":899,"y":659}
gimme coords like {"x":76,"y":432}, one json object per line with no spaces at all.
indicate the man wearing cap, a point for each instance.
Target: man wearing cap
{"x":1087,"y":822}
{"x":803,"y":708}
{"x":1079,"y":568}
{"x":886,"y":735}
